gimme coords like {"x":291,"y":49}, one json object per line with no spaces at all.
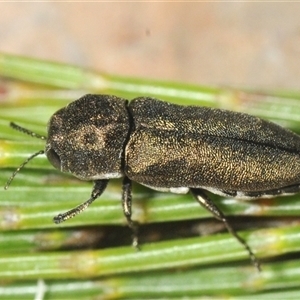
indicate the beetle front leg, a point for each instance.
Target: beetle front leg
{"x":98,"y":189}
{"x":126,"y":204}
{"x":202,"y":198}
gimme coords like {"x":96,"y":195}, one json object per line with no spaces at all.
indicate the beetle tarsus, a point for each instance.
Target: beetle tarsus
{"x":98,"y":189}
{"x":126,"y":204}
{"x":253,"y":257}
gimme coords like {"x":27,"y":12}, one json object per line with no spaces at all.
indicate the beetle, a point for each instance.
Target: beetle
{"x":170,"y":148}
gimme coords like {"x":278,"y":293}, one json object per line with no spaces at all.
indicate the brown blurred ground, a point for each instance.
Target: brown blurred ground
{"x":249,"y":44}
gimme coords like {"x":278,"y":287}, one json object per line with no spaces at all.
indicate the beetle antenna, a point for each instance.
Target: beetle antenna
{"x":33,"y":134}
{"x":26,"y":131}
{"x":21,"y":166}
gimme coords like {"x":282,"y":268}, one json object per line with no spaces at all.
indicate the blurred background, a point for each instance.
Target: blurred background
{"x":236,"y":44}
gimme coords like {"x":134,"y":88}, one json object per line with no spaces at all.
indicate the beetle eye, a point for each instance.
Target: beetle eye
{"x":54,"y":158}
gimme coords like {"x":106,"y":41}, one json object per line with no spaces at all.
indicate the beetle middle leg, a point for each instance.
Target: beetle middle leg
{"x":202,"y":198}
{"x":126,"y":204}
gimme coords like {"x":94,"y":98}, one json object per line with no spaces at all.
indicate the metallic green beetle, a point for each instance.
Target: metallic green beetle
{"x":172,"y":148}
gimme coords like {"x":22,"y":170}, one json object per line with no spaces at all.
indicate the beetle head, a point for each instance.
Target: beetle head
{"x":87,"y":137}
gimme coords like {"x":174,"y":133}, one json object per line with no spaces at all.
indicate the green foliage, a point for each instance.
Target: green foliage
{"x":88,"y":256}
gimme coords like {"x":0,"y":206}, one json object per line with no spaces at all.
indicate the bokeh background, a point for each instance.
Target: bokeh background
{"x":236,"y":44}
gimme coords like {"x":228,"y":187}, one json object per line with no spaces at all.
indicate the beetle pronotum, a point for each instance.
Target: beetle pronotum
{"x":173,"y":148}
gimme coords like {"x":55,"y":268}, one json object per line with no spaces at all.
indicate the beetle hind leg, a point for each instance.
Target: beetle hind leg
{"x":284,"y":191}
{"x":205,"y":202}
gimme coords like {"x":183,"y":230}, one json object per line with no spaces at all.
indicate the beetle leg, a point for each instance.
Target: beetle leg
{"x":98,"y":189}
{"x":126,"y":204}
{"x":202,"y":198}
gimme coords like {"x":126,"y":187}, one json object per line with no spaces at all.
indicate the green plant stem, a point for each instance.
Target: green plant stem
{"x":189,"y":252}
{"x":271,"y":105}
{"x":236,"y":281}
